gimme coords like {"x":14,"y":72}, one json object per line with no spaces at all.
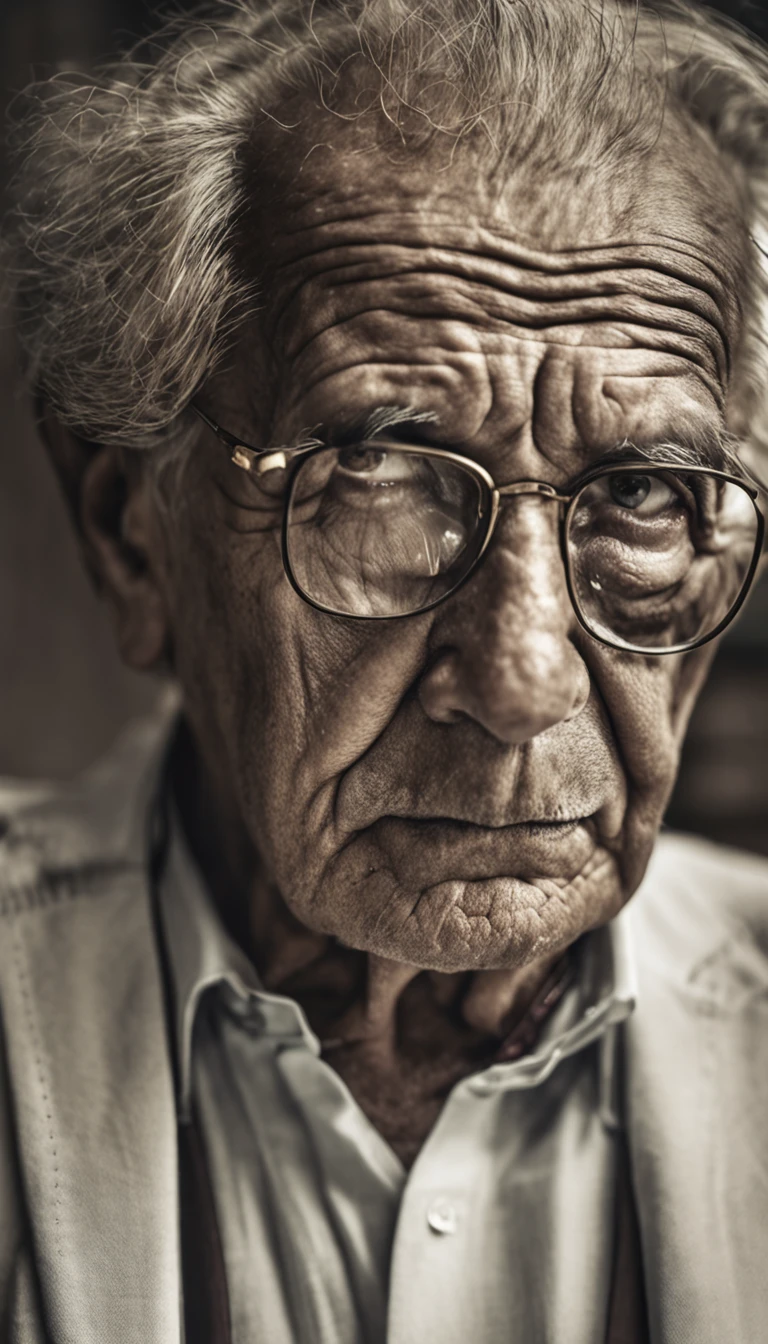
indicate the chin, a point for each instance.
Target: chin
{"x":499,"y":922}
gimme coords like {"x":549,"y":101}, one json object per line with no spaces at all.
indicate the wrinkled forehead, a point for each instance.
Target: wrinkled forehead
{"x":336,"y":219}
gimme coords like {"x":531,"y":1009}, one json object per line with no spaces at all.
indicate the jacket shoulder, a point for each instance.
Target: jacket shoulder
{"x":52,"y":832}
{"x":701,"y":906}
{"x":732,"y":882}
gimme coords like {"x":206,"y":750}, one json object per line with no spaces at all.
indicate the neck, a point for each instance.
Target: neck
{"x":391,"y":1030}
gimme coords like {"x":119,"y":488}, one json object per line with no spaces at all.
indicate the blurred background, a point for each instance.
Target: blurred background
{"x":63,"y":693}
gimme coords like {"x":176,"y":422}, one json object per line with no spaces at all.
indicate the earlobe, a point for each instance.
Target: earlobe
{"x":123,"y":551}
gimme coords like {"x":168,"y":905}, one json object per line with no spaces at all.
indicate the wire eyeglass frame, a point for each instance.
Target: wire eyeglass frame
{"x":260,"y":461}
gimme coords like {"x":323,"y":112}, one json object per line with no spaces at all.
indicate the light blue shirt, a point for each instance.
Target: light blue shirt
{"x":501,"y":1230}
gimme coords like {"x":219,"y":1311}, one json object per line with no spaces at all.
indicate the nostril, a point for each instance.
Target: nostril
{"x":438,"y":688}
{"x":449,"y":715}
{"x":515,"y":694}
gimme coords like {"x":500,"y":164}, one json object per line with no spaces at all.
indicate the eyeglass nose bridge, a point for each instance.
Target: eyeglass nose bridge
{"x":530,"y":488}
{"x":542,"y":489}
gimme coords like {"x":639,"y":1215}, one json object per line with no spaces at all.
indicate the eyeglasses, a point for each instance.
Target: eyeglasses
{"x":658,"y":558}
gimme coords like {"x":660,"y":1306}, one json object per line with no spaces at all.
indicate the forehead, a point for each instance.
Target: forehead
{"x":432,"y":281}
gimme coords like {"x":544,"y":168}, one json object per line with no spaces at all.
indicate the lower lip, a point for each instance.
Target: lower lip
{"x":437,"y":849}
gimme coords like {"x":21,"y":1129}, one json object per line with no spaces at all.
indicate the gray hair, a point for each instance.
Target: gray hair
{"x":132,"y":186}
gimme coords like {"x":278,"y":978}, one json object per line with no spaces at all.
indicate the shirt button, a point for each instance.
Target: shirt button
{"x":441,"y":1217}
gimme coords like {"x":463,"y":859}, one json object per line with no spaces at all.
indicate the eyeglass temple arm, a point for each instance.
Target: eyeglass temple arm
{"x":256,"y":460}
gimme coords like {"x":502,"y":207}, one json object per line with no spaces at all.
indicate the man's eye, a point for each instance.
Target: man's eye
{"x":377,"y":465}
{"x":646,"y":496}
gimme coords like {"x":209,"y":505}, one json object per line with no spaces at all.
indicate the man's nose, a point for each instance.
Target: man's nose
{"x":503,"y":653}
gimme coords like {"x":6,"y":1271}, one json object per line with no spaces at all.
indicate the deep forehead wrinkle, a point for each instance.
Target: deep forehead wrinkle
{"x":648,"y":288}
{"x":666,"y":230}
{"x":322,"y":244}
{"x":390,"y":224}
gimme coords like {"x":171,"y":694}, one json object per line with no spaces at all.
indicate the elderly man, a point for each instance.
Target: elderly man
{"x":403,"y":367}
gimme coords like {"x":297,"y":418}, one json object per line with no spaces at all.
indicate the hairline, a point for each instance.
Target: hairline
{"x":157,"y":423}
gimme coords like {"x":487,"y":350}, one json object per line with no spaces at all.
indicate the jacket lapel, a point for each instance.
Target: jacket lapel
{"x":697,"y":1098}
{"x":92,"y":1088}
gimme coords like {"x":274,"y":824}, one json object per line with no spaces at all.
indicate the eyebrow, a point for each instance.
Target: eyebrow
{"x":380,"y":420}
{"x":709,"y":446}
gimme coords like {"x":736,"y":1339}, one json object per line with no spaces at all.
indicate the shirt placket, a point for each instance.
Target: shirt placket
{"x":513,"y":1192}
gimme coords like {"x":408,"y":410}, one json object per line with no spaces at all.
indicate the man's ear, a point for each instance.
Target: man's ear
{"x":115,"y":516}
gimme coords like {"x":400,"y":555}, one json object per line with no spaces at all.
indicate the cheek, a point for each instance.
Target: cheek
{"x":283,"y":699}
{"x":648,"y":702}
{"x":223,"y":658}
{"x":694,"y":668}
{"x":333,"y":688}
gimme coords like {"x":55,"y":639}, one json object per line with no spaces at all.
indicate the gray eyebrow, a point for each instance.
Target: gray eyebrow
{"x":712,"y":447}
{"x":382,"y":418}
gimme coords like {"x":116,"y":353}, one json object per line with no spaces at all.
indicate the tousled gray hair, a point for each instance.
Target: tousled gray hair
{"x":131,"y":185}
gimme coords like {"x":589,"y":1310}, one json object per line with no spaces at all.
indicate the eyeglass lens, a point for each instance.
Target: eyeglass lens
{"x":656,"y":559}
{"x":378,"y":532}
{"x":659,"y":559}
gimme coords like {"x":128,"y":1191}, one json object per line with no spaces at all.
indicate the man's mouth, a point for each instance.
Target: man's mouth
{"x":532,"y":826}
{"x":434,"y":849}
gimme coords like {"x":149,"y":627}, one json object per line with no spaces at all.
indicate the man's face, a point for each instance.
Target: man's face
{"x":474,"y":786}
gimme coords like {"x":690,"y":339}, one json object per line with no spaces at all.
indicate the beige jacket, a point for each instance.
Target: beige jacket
{"x":89,"y":1243}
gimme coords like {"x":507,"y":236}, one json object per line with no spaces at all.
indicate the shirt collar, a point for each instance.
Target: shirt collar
{"x":202,"y":954}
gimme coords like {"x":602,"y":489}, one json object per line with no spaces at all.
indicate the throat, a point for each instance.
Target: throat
{"x":401,"y":1038}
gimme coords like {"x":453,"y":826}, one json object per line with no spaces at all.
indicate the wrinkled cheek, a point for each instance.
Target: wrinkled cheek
{"x":648,"y":701}
{"x":270,"y":726}
{"x":693,"y":672}
{"x":236,"y":675}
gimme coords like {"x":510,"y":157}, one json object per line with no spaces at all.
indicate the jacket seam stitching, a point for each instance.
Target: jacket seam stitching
{"x":27,"y":1003}
{"x":57,"y":888}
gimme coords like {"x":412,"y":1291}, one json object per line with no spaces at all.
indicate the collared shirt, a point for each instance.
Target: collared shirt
{"x":501,"y":1230}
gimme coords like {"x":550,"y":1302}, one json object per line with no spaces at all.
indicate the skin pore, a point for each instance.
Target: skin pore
{"x":407,"y":823}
